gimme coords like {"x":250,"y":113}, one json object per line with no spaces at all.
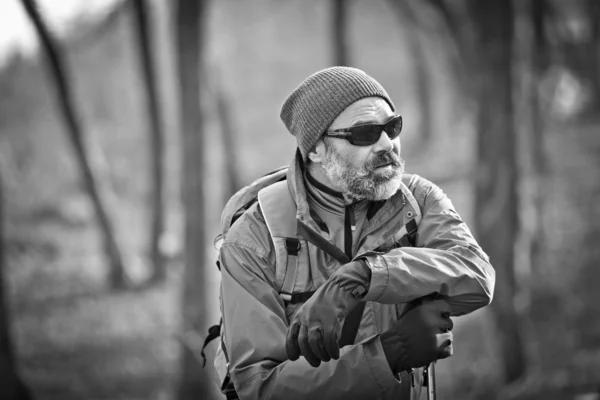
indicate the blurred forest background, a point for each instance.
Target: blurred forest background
{"x":126,"y":124}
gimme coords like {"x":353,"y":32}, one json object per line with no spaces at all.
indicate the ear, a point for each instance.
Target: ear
{"x":317,"y":154}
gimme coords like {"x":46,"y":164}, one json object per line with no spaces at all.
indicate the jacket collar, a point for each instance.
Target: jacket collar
{"x":311,"y":180}
{"x":295,"y":179}
{"x":385,"y":221}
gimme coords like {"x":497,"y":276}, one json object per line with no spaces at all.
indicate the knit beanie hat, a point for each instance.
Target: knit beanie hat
{"x":312,"y":106}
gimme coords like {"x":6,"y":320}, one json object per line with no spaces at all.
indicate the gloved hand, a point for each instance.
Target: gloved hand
{"x":316,"y":328}
{"x":421,"y":335}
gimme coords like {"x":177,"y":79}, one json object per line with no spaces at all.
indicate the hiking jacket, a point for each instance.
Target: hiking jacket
{"x":446,"y":259}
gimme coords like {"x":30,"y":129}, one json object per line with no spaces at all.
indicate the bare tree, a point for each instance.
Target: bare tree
{"x":341,"y":48}
{"x":157,"y":147}
{"x":592,"y":48}
{"x":223,"y":106}
{"x":528,"y":66}
{"x":191,"y":28}
{"x":58,"y":71}
{"x":539,"y":62}
{"x":496,"y":199}
{"x":411,"y":28}
{"x":484,"y":34}
{"x":454,"y":30}
{"x":12,"y":387}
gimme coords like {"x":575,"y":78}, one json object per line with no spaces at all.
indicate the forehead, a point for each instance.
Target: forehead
{"x":373,"y":110}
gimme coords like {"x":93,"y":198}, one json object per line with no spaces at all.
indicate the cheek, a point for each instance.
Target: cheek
{"x":397,"y":145}
{"x":355,"y":155}
{"x":362,"y":156}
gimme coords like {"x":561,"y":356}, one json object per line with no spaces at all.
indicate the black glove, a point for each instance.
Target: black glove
{"x":421,"y":335}
{"x":316,"y":328}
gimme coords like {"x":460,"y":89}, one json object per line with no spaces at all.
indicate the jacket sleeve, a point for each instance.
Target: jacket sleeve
{"x":446,"y":259}
{"x":255,"y":328}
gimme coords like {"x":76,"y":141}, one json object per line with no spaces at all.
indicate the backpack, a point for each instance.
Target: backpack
{"x":279,"y":211}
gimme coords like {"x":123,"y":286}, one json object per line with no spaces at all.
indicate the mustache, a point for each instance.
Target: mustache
{"x":384,"y":159}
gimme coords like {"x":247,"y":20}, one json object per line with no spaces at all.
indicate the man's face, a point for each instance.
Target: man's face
{"x":363,"y":172}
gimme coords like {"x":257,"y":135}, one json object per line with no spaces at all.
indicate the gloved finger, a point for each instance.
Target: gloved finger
{"x":305,"y":349}
{"x":446,"y":352}
{"x":291,"y":342}
{"x":445,"y":325}
{"x":315,"y":341}
{"x":323,"y":349}
{"x":441,"y":305}
{"x":332,"y":342}
{"x":445,"y":348}
{"x":432,"y":309}
{"x":449,"y":324}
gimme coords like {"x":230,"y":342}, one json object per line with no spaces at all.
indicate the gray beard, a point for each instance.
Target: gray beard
{"x":362,"y":183}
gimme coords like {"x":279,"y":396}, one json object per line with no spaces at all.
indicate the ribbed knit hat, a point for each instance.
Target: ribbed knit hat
{"x":312,"y":106}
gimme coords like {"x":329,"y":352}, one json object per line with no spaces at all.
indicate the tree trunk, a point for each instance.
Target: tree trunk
{"x":11,"y":388}
{"x":194,"y":382}
{"x":157,"y":148}
{"x":455,"y":33}
{"x":229,"y":142}
{"x":529,"y":66}
{"x":539,"y":158}
{"x":340,"y":36}
{"x":594,"y":48}
{"x":223,"y":105}
{"x":496,"y":198}
{"x":407,"y":17}
{"x":117,"y":277}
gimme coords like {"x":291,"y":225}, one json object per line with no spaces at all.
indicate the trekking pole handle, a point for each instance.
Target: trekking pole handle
{"x":431,"y":394}
{"x":429,"y":370}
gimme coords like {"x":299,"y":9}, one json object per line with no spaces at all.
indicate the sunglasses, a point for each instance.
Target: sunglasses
{"x":368,"y":134}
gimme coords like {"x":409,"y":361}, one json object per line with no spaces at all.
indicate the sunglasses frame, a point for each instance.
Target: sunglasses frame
{"x":348,"y":133}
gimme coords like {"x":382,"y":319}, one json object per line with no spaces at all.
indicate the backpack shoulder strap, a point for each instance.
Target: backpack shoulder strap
{"x":243,"y":198}
{"x":413,"y":213}
{"x":410,"y":197}
{"x":279,"y":210}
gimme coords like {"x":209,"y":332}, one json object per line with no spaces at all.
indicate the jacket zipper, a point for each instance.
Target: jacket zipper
{"x":349,"y":227}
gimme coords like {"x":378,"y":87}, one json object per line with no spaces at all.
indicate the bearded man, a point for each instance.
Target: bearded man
{"x":323,"y":314}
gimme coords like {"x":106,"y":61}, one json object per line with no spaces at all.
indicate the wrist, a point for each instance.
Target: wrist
{"x":353,"y":277}
{"x":394,"y":351}
{"x":362,"y":265}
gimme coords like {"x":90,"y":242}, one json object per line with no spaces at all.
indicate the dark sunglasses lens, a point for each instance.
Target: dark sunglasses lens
{"x":366,"y":135}
{"x":394,"y":127}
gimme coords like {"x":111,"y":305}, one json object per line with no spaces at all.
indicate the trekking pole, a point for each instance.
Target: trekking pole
{"x":429,"y":381}
{"x":429,"y":371}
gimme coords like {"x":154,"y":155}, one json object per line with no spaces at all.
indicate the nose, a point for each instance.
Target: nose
{"x":384,"y":144}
